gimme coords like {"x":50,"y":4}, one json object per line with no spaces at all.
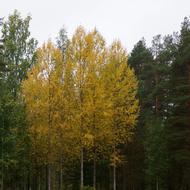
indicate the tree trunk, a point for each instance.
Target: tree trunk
{"x":110,"y":178}
{"x":29,"y":185}
{"x":94,"y":170}
{"x":157,"y":99}
{"x":82,"y":169}
{"x":49,"y":177}
{"x":114,"y":170}
{"x":157,"y":186}
{"x":49,"y":135}
{"x":39,"y":181}
{"x":114,"y":176}
{"x":124,"y":177}
{"x":61,"y":174}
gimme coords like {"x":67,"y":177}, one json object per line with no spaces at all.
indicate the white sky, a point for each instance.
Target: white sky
{"x":127,"y":20}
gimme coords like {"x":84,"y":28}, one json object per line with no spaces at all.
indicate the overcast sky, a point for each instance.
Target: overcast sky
{"x":127,"y":20}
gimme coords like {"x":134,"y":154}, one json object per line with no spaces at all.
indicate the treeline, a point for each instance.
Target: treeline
{"x":159,"y":156}
{"x":69,"y":111}
{"x":66,"y":108}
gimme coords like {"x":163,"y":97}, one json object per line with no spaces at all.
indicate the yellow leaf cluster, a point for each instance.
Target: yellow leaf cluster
{"x":84,"y":98}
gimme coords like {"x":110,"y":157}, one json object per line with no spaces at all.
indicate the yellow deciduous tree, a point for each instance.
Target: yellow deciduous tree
{"x":87,"y":54}
{"x":77,"y":57}
{"x":94,"y":96}
{"x":68,"y":108}
{"x":122,"y":104}
{"x":82,"y":100}
{"x":42,"y":95}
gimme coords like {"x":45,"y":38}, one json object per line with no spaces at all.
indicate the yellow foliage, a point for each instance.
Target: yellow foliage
{"x":88,"y":100}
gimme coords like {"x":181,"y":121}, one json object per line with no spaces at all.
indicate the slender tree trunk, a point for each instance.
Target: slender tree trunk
{"x":114,"y":171}
{"x":35,"y":180}
{"x":157,"y":186}
{"x":82,"y":169}
{"x":29,"y":185}
{"x":94,"y":170}
{"x":110,"y":178}
{"x":49,"y":134}
{"x":82,"y":150}
{"x":124,"y":177}
{"x":94,"y":151}
{"x":157,"y":100}
{"x":61,"y":173}
{"x":39,"y":181}
{"x":114,"y":177}
{"x":46,"y":177}
{"x":49,"y":177}
{"x":25,"y":182}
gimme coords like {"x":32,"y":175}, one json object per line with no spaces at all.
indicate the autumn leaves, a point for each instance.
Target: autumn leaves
{"x":80,"y":103}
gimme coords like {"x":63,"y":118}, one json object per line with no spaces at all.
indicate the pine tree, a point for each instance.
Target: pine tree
{"x":140,"y":60}
{"x":179,"y":119}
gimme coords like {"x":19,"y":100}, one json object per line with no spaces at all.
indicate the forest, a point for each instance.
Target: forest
{"x":78,"y":113}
